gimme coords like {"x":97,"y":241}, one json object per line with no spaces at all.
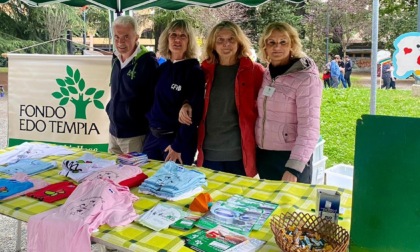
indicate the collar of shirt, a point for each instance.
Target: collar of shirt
{"x":125,"y":63}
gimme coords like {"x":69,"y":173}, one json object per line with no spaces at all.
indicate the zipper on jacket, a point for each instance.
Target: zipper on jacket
{"x":264,"y":115}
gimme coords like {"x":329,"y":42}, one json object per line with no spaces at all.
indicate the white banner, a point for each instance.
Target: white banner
{"x":59,"y":99}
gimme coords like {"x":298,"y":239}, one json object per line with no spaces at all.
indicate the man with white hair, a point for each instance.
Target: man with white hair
{"x":133,"y":78}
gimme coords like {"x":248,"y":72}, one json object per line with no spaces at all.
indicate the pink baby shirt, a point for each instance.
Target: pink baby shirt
{"x":68,"y":228}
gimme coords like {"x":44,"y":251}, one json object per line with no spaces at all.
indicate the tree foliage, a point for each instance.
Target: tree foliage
{"x":22,"y":26}
{"x":342,"y":22}
{"x":396,"y":18}
{"x":396,"y":6}
{"x":20,"y":21}
{"x":273,"y":11}
{"x":208,"y":18}
{"x":97,"y":21}
{"x":56,"y":21}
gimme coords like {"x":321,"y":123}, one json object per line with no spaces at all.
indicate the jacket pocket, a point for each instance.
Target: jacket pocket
{"x":289,"y":133}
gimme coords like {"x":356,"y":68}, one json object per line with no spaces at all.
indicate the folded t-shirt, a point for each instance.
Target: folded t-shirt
{"x":116,"y":173}
{"x":29,"y":166}
{"x":9,"y":187}
{"x":54,"y":192}
{"x":80,"y":168}
{"x":134,"y":181}
{"x":22,"y":177}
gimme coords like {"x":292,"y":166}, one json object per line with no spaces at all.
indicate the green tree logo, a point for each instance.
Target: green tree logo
{"x":72,"y":89}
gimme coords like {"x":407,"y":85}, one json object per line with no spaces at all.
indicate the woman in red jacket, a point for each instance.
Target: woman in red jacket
{"x":226,"y":136}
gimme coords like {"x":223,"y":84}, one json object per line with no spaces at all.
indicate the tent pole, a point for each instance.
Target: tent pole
{"x":373,"y":65}
{"x":111,"y":38}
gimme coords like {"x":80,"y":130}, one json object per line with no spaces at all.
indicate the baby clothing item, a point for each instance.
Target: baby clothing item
{"x":185,"y":195}
{"x":29,"y":166}
{"x":116,"y":173}
{"x":132,"y":158}
{"x":82,"y":167}
{"x":134,"y":181}
{"x":68,"y":227}
{"x":22,"y":177}
{"x":9,"y":187}
{"x":173,"y":180}
{"x":53,"y":192}
{"x":33,"y":150}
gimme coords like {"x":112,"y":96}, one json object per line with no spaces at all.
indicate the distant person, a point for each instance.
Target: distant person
{"x":159,"y":58}
{"x":328,"y":66}
{"x":180,"y":81}
{"x":335,"y":72}
{"x":386,"y":76}
{"x":393,"y":79}
{"x":348,"y":67}
{"x":133,"y":75}
{"x":341,"y":76}
{"x":326,"y":75}
{"x":226,"y":135}
{"x":289,"y":101}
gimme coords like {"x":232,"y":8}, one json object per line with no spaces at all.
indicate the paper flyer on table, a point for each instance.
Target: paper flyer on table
{"x":221,"y":239}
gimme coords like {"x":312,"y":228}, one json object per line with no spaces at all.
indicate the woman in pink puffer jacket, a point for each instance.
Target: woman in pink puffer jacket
{"x":287,"y":128}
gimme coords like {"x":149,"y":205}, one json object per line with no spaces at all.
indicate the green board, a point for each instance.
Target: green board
{"x":386,"y":186}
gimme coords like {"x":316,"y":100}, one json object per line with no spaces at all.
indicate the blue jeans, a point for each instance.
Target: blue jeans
{"x":235,"y":167}
{"x":341,"y":78}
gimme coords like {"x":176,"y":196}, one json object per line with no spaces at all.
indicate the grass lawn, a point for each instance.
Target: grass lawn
{"x":3,"y":69}
{"x":341,"y":108}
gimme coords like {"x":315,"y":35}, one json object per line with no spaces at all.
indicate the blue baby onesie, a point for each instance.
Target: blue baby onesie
{"x":9,"y":187}
{"x":29,"y":166}
{"x":173,"y":180}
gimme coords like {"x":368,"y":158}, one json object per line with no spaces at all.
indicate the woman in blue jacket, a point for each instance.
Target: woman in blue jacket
{"x":180,"y":81}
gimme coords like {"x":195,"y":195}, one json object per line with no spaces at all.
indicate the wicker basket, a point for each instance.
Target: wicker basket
{"x":335,"y":235}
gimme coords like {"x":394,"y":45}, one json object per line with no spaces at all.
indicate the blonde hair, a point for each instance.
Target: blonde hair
{"x":192,"y":47}
{"x":293,"y":34}
{"x":125,"y":21}
{"x":244,"y":44}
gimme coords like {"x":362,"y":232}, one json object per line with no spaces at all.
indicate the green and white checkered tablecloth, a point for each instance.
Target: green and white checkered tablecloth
{"x":134,"y":237}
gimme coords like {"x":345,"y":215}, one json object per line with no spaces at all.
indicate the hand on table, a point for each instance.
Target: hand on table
{"x":172,"y":155}
{"x":185,"y":114}
{"x":287,"y":176}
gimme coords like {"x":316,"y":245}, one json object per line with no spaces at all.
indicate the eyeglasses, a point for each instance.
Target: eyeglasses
{"x":222,"y":41}
{"x":180,"y":36}
{"x":272,"y":43}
